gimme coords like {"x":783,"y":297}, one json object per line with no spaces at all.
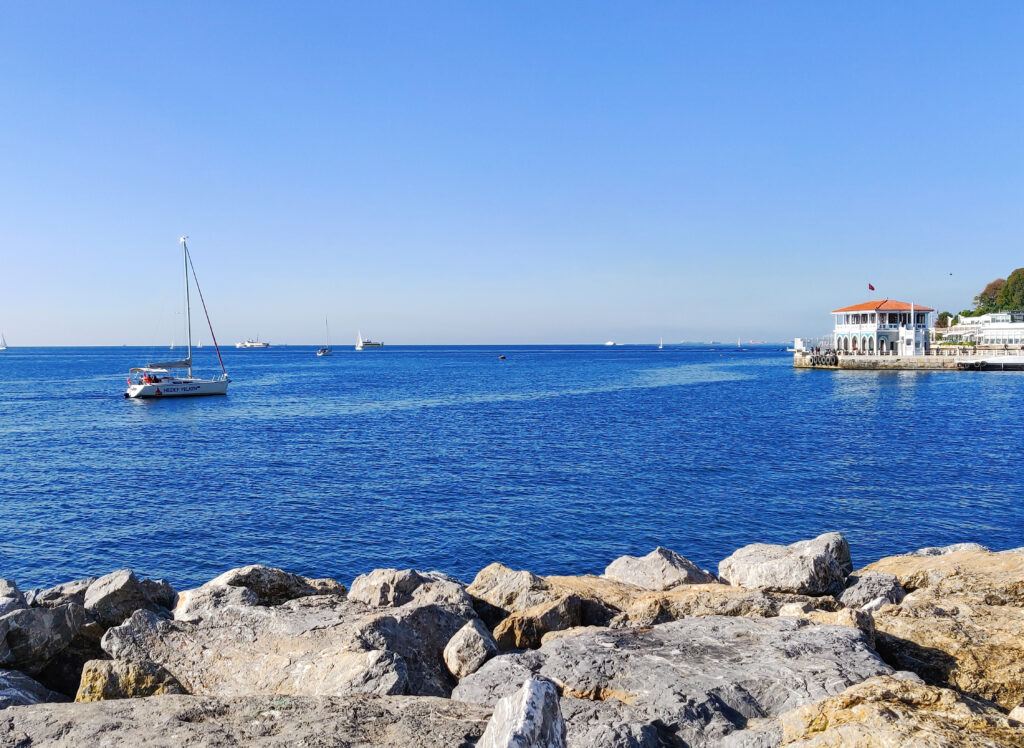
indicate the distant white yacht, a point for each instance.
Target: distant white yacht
{"x":250,"y":343}
{"x":609,"y":342}
{"x":361,"y":344}
{"x":155,"y":380}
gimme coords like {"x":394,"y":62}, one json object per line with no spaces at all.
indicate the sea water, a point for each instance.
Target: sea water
{"x":557,"y":460}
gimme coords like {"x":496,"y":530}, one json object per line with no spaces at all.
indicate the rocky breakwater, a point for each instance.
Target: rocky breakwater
{"x":780,"y":646}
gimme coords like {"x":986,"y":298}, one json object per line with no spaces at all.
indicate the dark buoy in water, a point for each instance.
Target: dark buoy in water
{"x":501,"y":358}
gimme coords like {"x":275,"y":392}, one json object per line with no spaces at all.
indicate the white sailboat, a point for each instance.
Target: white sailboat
{"x":326,"y":350}
{"x":3,"y":342}
{"x":156,"y":380}
{"x":661,"y":343}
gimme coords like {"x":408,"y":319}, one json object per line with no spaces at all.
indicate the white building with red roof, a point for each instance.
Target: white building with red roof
{"x":883,"y":328}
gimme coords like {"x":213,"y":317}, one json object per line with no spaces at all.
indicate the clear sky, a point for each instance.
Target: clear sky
{"x":487,"y":172}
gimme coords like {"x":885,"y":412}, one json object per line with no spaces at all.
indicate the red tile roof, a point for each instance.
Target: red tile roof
{"x":883,"y":306}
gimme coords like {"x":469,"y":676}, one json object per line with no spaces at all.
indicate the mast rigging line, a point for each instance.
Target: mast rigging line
{"x":203,"y":301}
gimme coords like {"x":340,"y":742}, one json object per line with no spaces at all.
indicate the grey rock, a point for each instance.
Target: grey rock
{"x":17,"y":689}
{"x":529,"y":718}
{"x":699,"y":679}
{"x":249,"y":586}
{"x":63,"y":672}
{"x":62,"y":594}
{"x":392,"y":588}
{"x":30,"y":637}
{"x":946,"y":549}
{"x":469,"y":648}
{"x":661,"y":569}
{"x":115,"y":596}
{"x":300,"y":648}
{"x":159,"y":592}
{"x":872,"y":588}
{"x":808,"y":567}
{"x":279,"y":721}
{"x":10,"y":597}
{"x":310,"y":646}
{"x":1014,"y":550}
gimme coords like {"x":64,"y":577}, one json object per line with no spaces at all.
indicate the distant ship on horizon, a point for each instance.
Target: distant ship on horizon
{"x":250,"y":343}
{"x":361,"y":344}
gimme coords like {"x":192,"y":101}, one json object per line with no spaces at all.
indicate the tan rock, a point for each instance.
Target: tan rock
{"x":123,"y":679}
{"x":858,"y":619}
{"x":694,"y":600}
{"x":976,"y":648}
{"x":886,"y":712}
{"x":969,"y":575}
{"x":525,"y":629}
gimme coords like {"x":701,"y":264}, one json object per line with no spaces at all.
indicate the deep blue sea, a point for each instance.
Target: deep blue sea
{"x":557,"y":460}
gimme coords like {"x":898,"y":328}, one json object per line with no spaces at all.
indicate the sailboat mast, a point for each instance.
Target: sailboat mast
{"x":188,"y":308}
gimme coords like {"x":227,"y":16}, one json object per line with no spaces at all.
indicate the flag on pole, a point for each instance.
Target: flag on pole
{"x":870,"y":287}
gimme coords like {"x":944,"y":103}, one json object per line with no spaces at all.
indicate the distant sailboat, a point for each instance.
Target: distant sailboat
{"x":326,"y":350}
{"x":661,"y":343}
{"x":3,"y":342}
{"x":200,"y":344}
{"x":172,"y":346}
{"x":739,"y":344}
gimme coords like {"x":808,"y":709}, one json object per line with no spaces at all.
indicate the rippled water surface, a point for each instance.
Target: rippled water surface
{"x":556,"y":460}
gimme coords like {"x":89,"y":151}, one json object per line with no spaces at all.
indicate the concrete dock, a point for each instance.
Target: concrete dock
{"x":832,"y":360}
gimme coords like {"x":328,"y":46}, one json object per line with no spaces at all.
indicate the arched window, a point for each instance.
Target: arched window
{"x":871,"y":345}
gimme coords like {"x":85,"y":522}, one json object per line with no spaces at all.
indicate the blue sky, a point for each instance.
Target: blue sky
{"x":473,"y":172}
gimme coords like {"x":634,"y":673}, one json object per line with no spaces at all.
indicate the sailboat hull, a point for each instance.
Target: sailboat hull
{"x":179,"y":388}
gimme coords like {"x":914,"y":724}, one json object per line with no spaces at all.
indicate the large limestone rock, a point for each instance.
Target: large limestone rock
{"x":282,"y":722}
{"x":17,"y":689}
{"x":886,"y":712}
{"x":976,"y":648}
{"x":124,"y":679}
{"x":61,"y":594}
{"x":311,"y":645}
{"x":661,"y":569}
{"x":30,"y":637}
{"x":689,"y":682}
{"x":871,"y":590}
{"x":115,"y":596}
{"x":808,"y":567}
{"x":470,"y":648}
{"x":10,"y":597}
{"x":969,"y":575}
{"x":393,"y":588}
{"x":301,"y":648}
{"x":499,"y":591}
{"x":249,"y":586}
{"x":529,"y":718}
{"x":524,"y":629}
